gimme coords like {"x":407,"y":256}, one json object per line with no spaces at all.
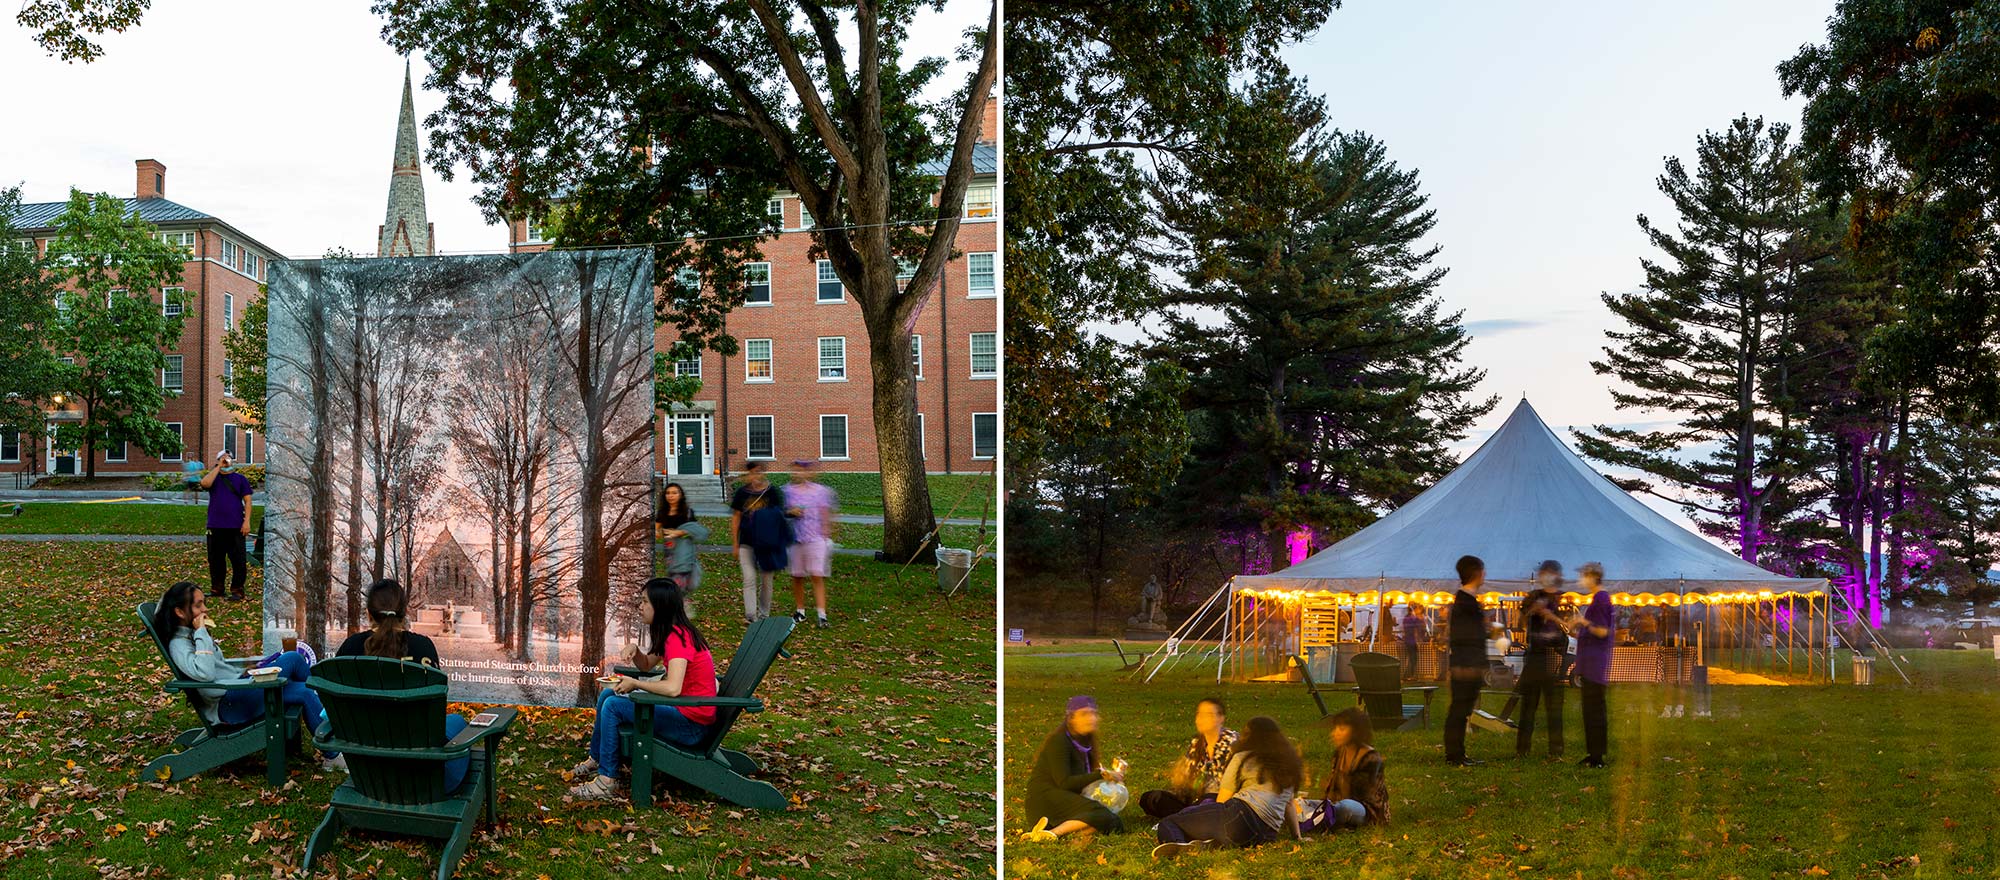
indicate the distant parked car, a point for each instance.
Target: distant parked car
{"x":1972,"y":633}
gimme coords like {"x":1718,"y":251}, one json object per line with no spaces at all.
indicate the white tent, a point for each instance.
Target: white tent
{"x":1521,"y":498}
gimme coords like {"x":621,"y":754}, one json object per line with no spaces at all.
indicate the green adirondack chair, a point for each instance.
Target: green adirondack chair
{"x":387,"y":717}
{"x":210,"y":746}
{"x":706,"y":764}
{"x":1378,"y":682}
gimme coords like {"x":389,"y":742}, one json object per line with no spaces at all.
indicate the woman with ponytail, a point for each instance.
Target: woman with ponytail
{"x":391,"y":639}
{"x":671,"y":642}
{"x":391,"y":636}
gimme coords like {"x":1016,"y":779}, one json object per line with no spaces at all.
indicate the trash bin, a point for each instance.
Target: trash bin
{"x":1864,"y":670}
{"x":954,"y":564}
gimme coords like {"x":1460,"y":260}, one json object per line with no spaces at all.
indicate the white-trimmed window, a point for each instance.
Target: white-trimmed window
{"x":21,"y":246}
{"x":228,"y":378}
{"x":762,"y":432}
{"x":112,"y":295}
{"x":757,"y":360}
{"x":805,"y":216}
{"x":116,"y":452}
{"x":10,"y":446}
{"x":180,"y":443}
{"x":228,"y":312}
{"x":532,"y":229}
{"x":921,"y":454}
{"x":689,"y":366}
{"x":979,"y":200}
{"x":774,"y":213}
{"x":688,"y":280}
{"x":980,"y":282}
{"x":182,"y":240}
{"x":249,"y":451}
{"x":229,"y":253}
{"x":253,"y":265}
{"x":170,"y":301}
{"x":757,"y":284}
{"x":985,"y":356}
{"x":833,"y":437}
{"x":229,"y":440}
{"x":906,"y":269}
{"x":917,"y":353}
{"x":829,"y":284}
{"x":170,"y":378}
{"x":985,"y":434}
{"x":833,"y":359}
{"x":62,"y":305}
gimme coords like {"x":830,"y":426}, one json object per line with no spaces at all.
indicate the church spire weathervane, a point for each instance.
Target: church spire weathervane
{"x":406,"y":228}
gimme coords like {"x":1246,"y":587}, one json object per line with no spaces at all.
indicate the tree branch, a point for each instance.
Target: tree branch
{"x":802,"y":84}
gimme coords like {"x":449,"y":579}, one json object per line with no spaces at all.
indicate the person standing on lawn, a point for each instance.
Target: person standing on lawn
{"x":1468,"y":629}
{"x":1596,"y":633}
{"x":813,"y":506}
{"x":1547,"y":635}
{"x":1415,"y":632}
{"x":1070,"y":761}
{"x":1254,"y":803}
{"x":677,"y":530}
{"x":228,"y":525}
{"x":759,"y":533}
{"x":1197,"y":774}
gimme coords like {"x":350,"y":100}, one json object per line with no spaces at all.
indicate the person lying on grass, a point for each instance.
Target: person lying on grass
{"x":672,"y":642}
{"x":391,"y":638}
{"x":1069,"y":762}
{"x":1254,"y":803}
{"x":1356,"y":790}
{"x":1197,"y":774}
{"x":183,"y":612}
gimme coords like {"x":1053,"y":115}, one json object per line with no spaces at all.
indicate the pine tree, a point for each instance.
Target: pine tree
{"x":1324,"y":375}
{"x":1700,"y":334}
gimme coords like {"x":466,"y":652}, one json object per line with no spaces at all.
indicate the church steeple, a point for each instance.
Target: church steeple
{"x":406,"y":230}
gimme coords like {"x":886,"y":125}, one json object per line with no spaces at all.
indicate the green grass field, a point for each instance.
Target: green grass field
{"x":110,"y":518}
{"x":1802,"y":781}
{"x":862,"y":493}
{"x":881,"y":729}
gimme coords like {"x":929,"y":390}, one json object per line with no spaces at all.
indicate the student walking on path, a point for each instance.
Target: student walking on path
{"x":760,"y":532}
{"x":228,"y":525}
{"x":812,"y":538}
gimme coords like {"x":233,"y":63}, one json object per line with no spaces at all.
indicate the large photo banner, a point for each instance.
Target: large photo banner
{"x":479,"y":429}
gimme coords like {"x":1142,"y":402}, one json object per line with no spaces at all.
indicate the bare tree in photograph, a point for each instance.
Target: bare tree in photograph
{"x":300,"y":396}
{"x":606,"y":356}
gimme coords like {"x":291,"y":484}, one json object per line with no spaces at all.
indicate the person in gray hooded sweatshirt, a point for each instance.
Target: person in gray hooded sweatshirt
{"x":183,"y":612}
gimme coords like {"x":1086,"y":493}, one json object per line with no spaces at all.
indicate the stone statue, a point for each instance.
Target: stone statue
{"x":1149,"y":607}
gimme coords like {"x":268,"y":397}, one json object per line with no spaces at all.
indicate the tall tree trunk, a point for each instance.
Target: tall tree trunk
{"x":319,"y":476}
{"x":906,"y":496}
{"x":354,"y":453}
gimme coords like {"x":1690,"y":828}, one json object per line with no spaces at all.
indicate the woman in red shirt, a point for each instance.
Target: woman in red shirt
{"x":672,"y":642}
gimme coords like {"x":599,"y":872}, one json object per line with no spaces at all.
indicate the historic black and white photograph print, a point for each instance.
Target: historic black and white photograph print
{"x":478,"y":429}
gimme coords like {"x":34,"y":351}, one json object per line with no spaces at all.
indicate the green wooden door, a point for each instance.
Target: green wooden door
{"x":687,"y":447}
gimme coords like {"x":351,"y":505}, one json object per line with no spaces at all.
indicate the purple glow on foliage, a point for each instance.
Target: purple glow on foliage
{"x":1299,"y":544}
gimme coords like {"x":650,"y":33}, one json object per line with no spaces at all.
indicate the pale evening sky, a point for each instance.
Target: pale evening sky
{"x":278,"y":118}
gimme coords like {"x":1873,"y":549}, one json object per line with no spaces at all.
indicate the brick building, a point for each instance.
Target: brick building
{"x":224,"y":267}
{"x":800,"y":387}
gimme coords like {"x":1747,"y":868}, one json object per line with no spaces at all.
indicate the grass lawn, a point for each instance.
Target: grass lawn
{"x":869,"y":535}
{"x":861,"y":494}
{"x":1802,"y":781}
{"x":880,"y":729}
{"x":111,"y":518}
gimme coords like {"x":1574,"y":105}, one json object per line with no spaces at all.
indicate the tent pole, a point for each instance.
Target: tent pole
{"x":1187,"y":625}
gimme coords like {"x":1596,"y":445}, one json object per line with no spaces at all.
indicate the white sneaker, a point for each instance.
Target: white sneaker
{"x":335,"y":764}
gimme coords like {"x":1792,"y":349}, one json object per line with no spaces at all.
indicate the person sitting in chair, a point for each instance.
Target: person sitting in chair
{"x":391,"y":639}
{"x":672,"y":642}
{"x":1356,"y":789}
{"x":1197,"y":774}
{"x":183,"y":613}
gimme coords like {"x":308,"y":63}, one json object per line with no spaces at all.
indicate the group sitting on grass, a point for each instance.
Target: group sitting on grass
{"x":1226,"y":790}
{"x":673,"y":647}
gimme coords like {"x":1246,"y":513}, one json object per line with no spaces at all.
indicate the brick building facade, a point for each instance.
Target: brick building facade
{"x":800,"y":386}
{"x":220,"y":278}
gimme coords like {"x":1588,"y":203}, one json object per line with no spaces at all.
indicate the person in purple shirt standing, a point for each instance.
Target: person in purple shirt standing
{"x":813,"y":505}
{"x":1596,"y":633}
{"x":228,"y":524}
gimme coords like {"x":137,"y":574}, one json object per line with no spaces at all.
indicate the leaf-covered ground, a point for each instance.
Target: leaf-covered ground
{"x":881,"y":730}
{"x":1887,"y":781}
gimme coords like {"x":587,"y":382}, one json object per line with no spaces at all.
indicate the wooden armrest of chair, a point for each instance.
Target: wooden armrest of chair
{"x":748,"y":704}
{"x":471,"y":734}
{"x":636,"y":672}
{"x":241,"y":684}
